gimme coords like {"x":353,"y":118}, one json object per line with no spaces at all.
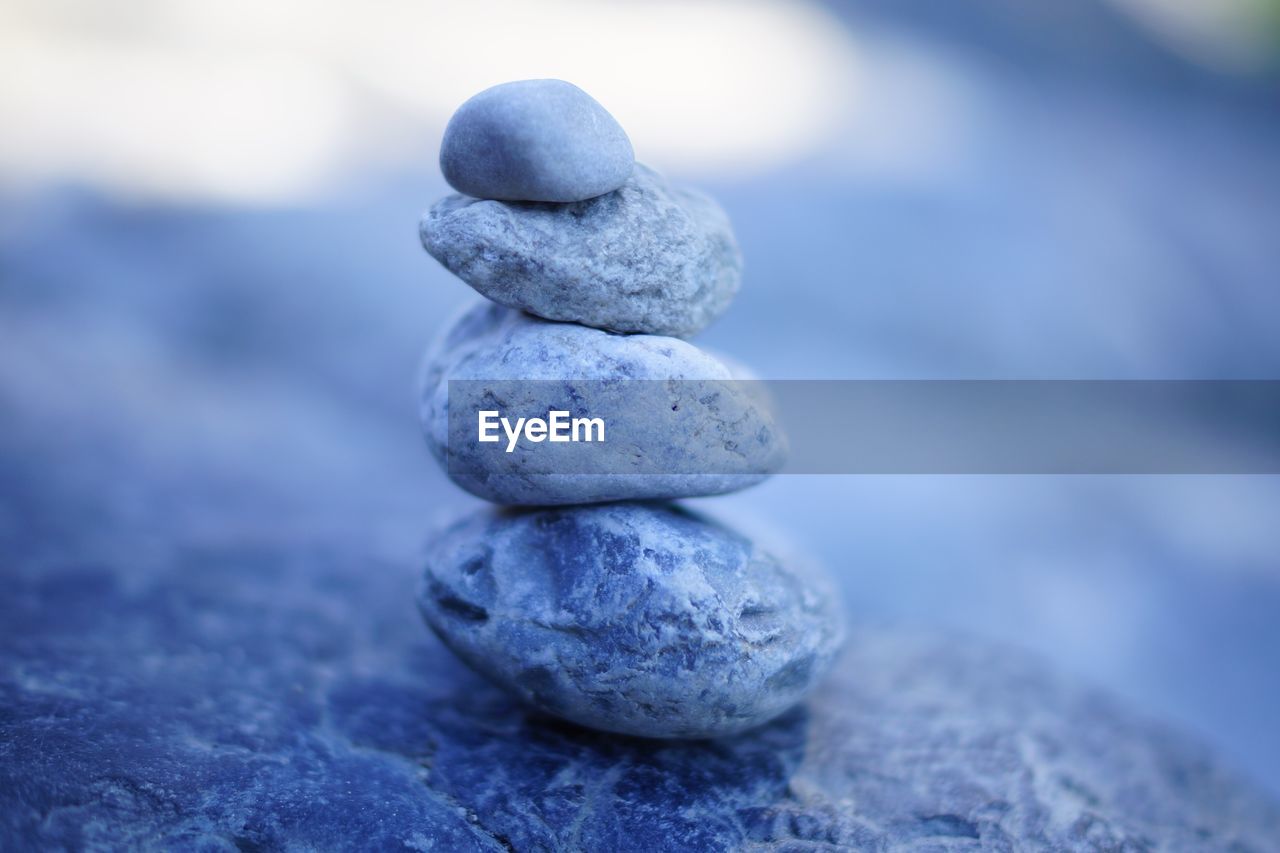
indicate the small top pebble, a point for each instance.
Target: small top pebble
{"x":535,"y":140}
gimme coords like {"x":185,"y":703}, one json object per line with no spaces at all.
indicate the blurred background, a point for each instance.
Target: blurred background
{"x":212,"y":298}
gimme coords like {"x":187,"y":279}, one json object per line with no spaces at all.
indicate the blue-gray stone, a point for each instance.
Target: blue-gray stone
{"x":714,"y":444}
{"x":648,"y":258}
{"x":283,"y":694}
{"x":535,"y":140}
{"x":641,"y":619}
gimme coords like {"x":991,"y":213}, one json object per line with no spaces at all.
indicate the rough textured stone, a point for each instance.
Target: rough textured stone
{"x":535,"y":140}
{"x":641,"y":619}
{"x":648,"y":258}
{"x":738,"y":443}
{"x":274,"y":696}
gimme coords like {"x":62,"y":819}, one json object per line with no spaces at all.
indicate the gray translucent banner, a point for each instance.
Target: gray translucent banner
{"x":732,"y":427}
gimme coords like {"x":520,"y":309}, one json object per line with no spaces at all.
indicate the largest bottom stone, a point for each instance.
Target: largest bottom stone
{"x":634,"y":618}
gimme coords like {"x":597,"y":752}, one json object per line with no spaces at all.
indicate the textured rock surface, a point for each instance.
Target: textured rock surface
{"x":535,"y":140}
{"x":648,"y":258}
{"x":737,"y":442}
{"x":642,"y":619}
{"x":268,"y":696}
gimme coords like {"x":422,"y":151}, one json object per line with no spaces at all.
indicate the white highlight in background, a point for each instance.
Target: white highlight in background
{"x":247,"y":101}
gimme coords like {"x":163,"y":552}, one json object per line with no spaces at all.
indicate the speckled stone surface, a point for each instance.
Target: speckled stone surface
{"x":643,"y":619}
{"x":648,"y":258}
{"x":267,"y":696}
{"x":738,"y":442}
{"x":535,"y":140}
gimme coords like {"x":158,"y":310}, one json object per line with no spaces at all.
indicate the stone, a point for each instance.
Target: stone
{"x":649,"y":258}
{"x":535,"y":140}
{"x":640,"y":619}
{"x":256,"y":691}
{"x":713,"y":443}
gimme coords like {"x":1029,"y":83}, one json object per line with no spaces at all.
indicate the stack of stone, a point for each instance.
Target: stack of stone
{"x":596,"y":601}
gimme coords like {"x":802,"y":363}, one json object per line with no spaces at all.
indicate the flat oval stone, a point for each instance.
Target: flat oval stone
{"x":713,"y":444}
{"x":640,"y":619}
{"x":535,"y":140}
{"x":648,"y":258}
